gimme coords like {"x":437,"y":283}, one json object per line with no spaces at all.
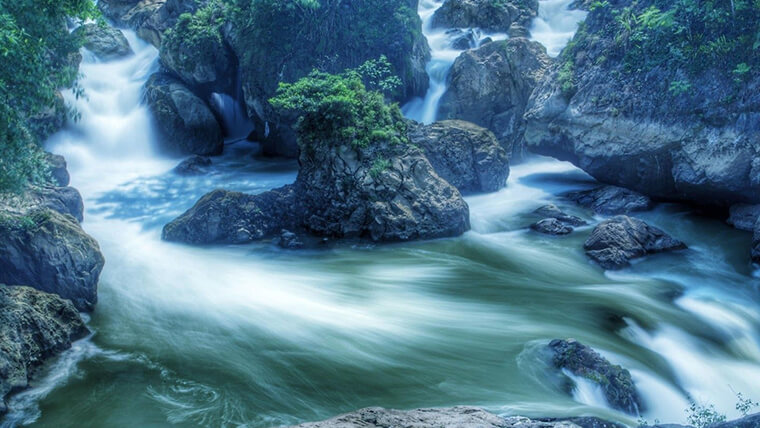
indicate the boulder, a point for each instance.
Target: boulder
{"x":615,"y":242}
{"x":743,"y":216}
{"x":467,"y":156}
{"x":223,"y":217}
{"x":635,"y":127}
{"x":755,"y":251}
{"x":462,"y":39}
{"x":65,"y":200}
{"x":552,"y":211}
{"x":49,"y":251}
{"x":195,"y":165}
{"x":107,"y":43}
{"x":749,"y":421}
{"x":490,"y":86}
{"x":34,"y":326}
{"x":615,"y":381}
{"x":610,"y":200}
{"x":486,"y":14}
{"x":183,"y":122}
{"x":551,"y":226}
{"x":384,"y":192}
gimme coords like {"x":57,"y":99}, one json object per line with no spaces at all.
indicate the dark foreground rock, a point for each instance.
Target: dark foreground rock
{"x":195,"y":165}
{"x":552,"y":211}
{"x":615,"y":381}
{"x":610,"y":200}
{"x":107,"y":43}
{"x":749,"y":421}
{"x":49,"y":251}
{"x":447,"y":417}
{"x":385,"y":192}
{"x":616,"y":241}
{"x":184,"y":123}
{"x":464,"y":154}
{"x":288,"y":240}
{"x":755,"y":251}
{"x":490,"y":86}
{"x":744,"y":216}
{"x":33,"y":326}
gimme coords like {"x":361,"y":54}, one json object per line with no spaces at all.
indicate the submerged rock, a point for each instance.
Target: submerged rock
{"x":615,"y":381}
{"x":33,"y":327}
{"x":552,"y":211}
{"x":486,"y":14}
{"x":107,"y":43}
{"x":195,"y":165}
{"x":551,"y":226}
{"x":288,"y":240}
{"x":490,"y":86}
{"x":616,"y":241}
{"x":49,"y":251}
{"x":611,"y":200}
{"x":467,"y":156}
{"x":184,"y":123}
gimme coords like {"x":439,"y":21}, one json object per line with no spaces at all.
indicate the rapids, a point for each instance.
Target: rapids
{"x":257,"y":336}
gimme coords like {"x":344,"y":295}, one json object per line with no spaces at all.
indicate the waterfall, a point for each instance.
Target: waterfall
{"x":443,"y":53}
{"x":555,"y":24}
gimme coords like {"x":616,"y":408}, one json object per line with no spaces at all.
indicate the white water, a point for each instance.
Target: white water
{"x":555,"y":25}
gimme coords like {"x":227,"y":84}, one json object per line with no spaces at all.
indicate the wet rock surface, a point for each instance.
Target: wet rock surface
{"x":551,"y":226}
{"x":486,"y":14}
{"x":464,"y":154}
{"x":184,"y":123}
{"x":107,"y":43}
{"x":615,"y":242}
{"x":615,"y":381}
{"x":195,"y":165}
{"x":33,"y":327}
{"x":610,"y":200}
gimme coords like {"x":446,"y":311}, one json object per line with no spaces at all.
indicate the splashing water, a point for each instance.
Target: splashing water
{"x":555,"y":24}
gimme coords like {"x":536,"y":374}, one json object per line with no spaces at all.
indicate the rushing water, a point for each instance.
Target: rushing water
{"x":257,"y":336}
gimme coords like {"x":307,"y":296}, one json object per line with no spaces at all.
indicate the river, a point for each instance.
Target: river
{"x":256,"y":336}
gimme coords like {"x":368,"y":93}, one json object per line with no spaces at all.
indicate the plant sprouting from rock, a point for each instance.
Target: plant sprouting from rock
{"x":378,"y":75}
{"x":702,"y":416}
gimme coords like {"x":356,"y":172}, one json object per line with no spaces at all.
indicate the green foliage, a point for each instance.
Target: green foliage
{"x":378,"y":166}
{"x":37,"y":55}
{"x":566,"y":79}
{"x":196,"y":35}
{"x":745,"y":405}
{"x":337,"y":108}
{"x":679,"y":87}
{"x":599,"y":5}
{"x":378,"y":76}
{"x":703,"y":416}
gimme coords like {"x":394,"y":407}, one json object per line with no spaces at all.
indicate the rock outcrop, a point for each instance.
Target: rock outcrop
{"x":744,"y":216}
{"x":149,"y":18}
{"x":610,"y":200}
{"x":467,"y":156}
{"x":490,"y":86}
{"x":497,"y":16}
{"x":194,"y":165}
{"x":107,"y":43}
{"x":755,"y":251}
{"x":49,"y":251}
{"x":551,"y":226}
{"x":184,"y":123}
{"x":615,"y":381}
{"x":553,"y":212}
{"x":615,"y":242}
{"x":655,"y":129}
{"x":385,"y":192}
{"x":33,"y":326}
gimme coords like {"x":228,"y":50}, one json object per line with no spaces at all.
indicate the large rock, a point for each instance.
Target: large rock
{"x":755,"y":251}
{"x":107,"y":43}
{"x":744,"y":216}
{"x":552,"y":211}
{"x":615,"y":381}
{"x":49,"y":251}
{"x":34,"y":326}
{"x":491,"y":86}
{"x":615,"y":242}
{"x":611,"y":200}
{"x":467,"y":156}
{"x":551,"y":226}
{"x":638,"y":129}
{"x":384,"y":192}
{"x":184,"y":123}
{"x":275,"y":44}
{"x":489,"y":15}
